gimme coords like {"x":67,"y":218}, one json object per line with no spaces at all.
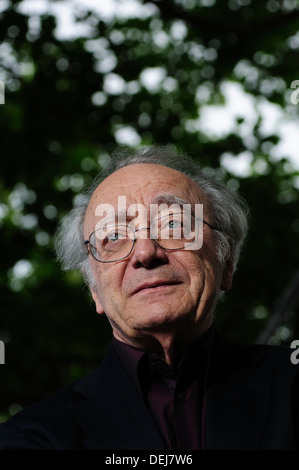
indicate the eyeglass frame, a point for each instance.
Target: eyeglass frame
{"x":87,"y":242}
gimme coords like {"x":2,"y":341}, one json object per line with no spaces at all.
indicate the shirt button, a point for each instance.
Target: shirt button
{"x":180,"y":396}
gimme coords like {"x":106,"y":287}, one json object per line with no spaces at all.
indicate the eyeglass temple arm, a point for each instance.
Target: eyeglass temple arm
{"x":212,"y":226}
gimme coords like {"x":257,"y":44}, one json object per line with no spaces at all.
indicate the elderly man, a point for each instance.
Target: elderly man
{"x":157,"y":242}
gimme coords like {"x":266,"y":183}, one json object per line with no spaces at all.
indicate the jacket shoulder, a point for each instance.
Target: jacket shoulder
{"x":49,"y":423}
{"x":247,"y":356}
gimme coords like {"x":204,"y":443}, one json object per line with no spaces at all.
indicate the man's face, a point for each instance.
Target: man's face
{"x":152,"y":289}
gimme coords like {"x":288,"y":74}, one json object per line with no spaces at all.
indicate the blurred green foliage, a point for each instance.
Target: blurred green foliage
{"x":141,"y":78}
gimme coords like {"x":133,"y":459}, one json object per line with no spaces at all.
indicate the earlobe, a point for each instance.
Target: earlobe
{"x":227,"y":275}
{"x":99,"y":307}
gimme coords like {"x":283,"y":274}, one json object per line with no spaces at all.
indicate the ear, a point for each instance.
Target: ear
{"x":96,"y":299}
{"x":227,"y":274}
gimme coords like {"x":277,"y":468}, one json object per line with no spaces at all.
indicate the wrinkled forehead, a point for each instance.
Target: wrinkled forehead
{"x":143,"y":184}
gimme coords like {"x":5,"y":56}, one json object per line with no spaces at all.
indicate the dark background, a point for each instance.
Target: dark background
{"x":70,"y":101}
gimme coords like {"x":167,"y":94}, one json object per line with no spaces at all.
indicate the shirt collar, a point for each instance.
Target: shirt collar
{"x":134,"y":359}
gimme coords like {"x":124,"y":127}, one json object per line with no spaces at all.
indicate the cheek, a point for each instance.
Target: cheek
{"x":203,"y":270}
{"x":108,"y":283}
{"x":191,"y":268}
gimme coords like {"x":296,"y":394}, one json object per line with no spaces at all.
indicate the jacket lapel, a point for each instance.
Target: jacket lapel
{"x":111,"y":413}
{"x":113,"y":416}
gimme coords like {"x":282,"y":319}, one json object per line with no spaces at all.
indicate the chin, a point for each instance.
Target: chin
{"x":161,"y":319}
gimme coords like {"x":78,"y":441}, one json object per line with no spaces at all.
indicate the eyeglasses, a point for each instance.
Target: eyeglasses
{"x":177,"y":231}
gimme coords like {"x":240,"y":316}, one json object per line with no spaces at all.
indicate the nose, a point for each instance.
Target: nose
{"x":147,"y":253}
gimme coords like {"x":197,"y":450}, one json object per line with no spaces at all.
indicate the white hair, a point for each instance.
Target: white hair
{"x":228,"y":210}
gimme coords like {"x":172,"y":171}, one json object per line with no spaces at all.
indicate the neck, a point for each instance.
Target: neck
{"x":168,"y":346}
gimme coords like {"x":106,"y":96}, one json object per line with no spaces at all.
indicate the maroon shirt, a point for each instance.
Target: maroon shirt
{"x":174,"y":397}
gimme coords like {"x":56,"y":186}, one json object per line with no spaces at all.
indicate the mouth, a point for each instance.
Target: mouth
{"x":158,"y":285}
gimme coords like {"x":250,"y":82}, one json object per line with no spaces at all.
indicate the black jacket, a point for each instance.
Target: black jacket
{"x":251,"y":402}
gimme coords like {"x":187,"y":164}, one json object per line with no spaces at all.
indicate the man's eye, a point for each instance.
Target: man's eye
{"x":175,"y":224}
{"x":113,"y":237}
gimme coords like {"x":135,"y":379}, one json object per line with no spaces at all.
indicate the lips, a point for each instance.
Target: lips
{"x":154,"y":284}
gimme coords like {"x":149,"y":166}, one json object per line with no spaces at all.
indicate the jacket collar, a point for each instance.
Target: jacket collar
{"x":109,"y":409}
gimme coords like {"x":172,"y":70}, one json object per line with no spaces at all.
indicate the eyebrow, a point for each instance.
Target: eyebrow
{"x":114,"y":216}
{"x":170,"y":199}
{"x":164,"y":198}
{"x":167,"y":198}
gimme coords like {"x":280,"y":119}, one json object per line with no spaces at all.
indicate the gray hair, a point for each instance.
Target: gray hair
{"x":228,"y":209}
